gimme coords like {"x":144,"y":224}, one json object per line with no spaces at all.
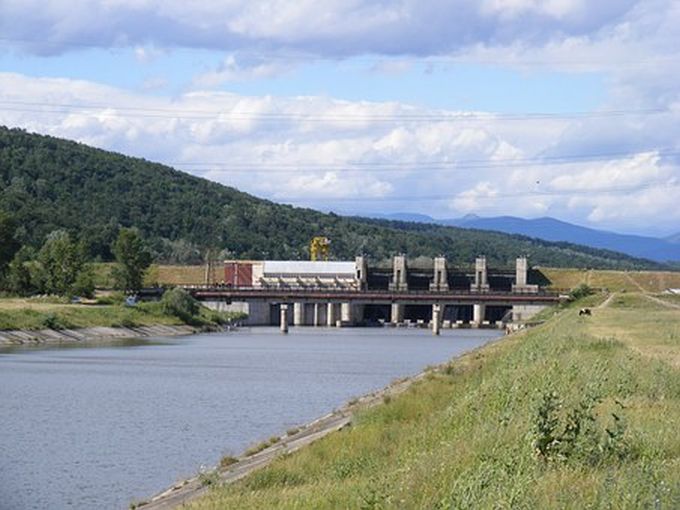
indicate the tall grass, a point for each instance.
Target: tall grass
{"x":468,"y":436}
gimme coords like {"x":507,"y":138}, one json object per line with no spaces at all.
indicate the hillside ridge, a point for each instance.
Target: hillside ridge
{"x":49,"y":183}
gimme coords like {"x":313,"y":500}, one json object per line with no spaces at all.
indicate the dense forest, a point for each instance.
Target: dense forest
{"x":48,"y":184}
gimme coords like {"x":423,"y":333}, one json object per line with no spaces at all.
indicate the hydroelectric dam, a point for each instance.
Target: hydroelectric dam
{"x":350,"y":293}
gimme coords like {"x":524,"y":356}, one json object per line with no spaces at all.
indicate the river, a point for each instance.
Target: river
{"x":102,"y":426}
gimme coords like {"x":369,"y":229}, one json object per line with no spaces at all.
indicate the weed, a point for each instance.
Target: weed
{"x":577,"y":435}
{"x":227,"y":461}
{"x":52,"y":321}
{"x":546,"y":435}
{"x":274,"y":477}
{"x":208,"y":478}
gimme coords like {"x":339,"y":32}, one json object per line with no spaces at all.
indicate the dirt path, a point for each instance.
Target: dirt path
{"x":607,"y":302}
{"x":636,"y":284}
{"x":662,"y":302}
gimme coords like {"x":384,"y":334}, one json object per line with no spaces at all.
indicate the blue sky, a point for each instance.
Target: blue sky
{"x":430,"y":83}
{"x":524,"y":107}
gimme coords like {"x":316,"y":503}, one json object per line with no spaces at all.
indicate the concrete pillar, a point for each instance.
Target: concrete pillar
{"x":346,"y":312}
{"x":478,"y":312}
{"x":299,"y":314}
{"x":361,"y":272}
{"x":436,"y":318}
{"x":481,"y":283}
{"x":440,"y":280}
{"x":330,"y":314}
{"x":521,"y":271}
{"x":399,"y":273}
{"x":397,"y":314}
{"x":317,"y":313}
{"x":284,"y":318}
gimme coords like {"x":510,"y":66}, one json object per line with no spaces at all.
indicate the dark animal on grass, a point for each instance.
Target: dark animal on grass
{"x":584,"y":311}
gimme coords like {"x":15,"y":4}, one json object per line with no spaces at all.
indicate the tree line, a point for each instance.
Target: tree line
{"x":61,"y":266}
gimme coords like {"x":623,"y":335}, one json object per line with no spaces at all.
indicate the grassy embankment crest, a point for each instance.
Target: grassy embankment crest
{"x":580,"y":412}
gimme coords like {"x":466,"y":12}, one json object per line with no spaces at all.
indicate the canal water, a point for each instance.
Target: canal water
{"x":103,"y":426}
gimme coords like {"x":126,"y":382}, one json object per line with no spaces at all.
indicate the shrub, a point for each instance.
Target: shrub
{"x":179,"y":303}
{"x":52,"y":321}
{"x":578,"y":435}
{"x":227,"y":461}
{"x":580,"y":292}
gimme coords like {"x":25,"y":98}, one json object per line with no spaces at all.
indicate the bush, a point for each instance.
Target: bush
{"x":52,"y":321}
{"x":580,"y":292}
{"x":84,"y":284}
{"x":179,"y":303}
{"x":579,"y":434}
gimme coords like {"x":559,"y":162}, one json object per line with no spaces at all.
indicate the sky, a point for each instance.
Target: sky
{"x":531,"y":108}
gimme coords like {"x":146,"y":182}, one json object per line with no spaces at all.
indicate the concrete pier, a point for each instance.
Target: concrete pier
{"x":284,"y":318}
{"x":317,"y":314}
{"x":346,"y":313}
{"x":521,"y":277}
{"x":436,"y":318}
{"x":299,"y":314}
{"x":478,"y":312}
{"x":440,"y":280}
{"x":397,"y":313}
{"x":481,"y":283}
{"x":399,"y":274}
{"x":330,"y":315}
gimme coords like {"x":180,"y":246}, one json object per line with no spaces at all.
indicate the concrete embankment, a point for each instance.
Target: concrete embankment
{"x":83,"y":335}
{"x":188,"y":490}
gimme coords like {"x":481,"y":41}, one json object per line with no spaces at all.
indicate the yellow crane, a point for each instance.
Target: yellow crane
{"x":320,"y":248}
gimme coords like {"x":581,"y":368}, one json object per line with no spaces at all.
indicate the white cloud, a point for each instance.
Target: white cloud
{"x":293,"y":146}
{"x":329,"y":27}
{"x":316,"y":149}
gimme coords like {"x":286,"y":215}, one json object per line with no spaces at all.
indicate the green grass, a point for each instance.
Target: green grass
{"x":627,"y":281}
{"x":33,"y":314}
{"x":24,"y":314}
{"x":466,"y":436}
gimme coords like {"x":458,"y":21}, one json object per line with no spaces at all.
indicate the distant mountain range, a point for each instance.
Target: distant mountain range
{"x":550,"y":229}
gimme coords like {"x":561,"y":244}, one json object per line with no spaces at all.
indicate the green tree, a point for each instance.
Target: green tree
{"x":8,"y":244}
{"x":62,"y":261}
{"x":21,"y":273}
{"x":133,"y":259}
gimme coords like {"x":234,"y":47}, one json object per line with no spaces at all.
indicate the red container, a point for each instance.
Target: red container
{"x":238,"y":274}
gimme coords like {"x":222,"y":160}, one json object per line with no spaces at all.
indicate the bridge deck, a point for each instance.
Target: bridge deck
{"x":368,"y":296}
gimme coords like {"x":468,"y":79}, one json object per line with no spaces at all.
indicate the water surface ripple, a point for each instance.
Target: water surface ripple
{"x":100,"y":427}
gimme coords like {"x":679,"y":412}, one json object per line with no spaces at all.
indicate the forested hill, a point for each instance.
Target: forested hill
{"x":47,"y":183}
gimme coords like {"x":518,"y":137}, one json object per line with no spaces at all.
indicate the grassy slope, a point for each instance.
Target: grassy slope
{"x":30,"y":314}
{"x":629,"y":281}
{"x":37,"y":313}
{"x":463,"y":437}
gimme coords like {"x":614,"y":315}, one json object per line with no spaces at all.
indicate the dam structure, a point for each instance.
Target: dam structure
{"x":426,"y":293}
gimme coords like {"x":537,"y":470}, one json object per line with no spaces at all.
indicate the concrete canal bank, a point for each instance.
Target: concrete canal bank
{"x":82,"y":335}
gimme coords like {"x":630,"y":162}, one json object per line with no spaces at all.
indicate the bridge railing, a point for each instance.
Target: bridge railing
{"x":353,"y":290}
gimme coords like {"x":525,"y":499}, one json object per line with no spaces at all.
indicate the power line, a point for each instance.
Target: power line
{"x":500,"y":196}
{"x":547,"y":161}
{"x":226,"y":116}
